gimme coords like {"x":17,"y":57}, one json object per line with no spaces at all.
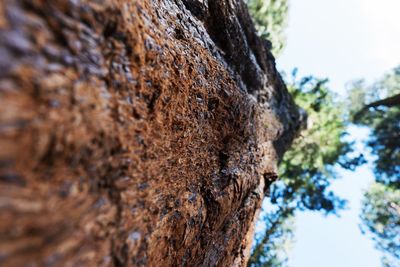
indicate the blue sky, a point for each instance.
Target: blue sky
{"x":343,"y":40}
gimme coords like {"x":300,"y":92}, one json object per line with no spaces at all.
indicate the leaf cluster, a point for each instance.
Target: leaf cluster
{"x":270,"y":19}
{"x":271,"y":247}
{"x":307,"y":168}
{"x":380,"y":216}
{"x":384,"y":122}
{"x":380,"y":212}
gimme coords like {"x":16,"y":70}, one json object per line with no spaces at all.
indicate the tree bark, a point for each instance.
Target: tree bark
{"x":387,"y":102}
{"x":135,"y":133}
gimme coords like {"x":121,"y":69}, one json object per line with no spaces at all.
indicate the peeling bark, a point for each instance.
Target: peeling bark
{"x":135,"y":133}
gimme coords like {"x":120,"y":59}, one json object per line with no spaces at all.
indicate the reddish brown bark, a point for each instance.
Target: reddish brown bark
{"x":134,"y":132}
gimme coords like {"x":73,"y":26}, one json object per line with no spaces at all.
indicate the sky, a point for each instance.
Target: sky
{"x":343,"y":40}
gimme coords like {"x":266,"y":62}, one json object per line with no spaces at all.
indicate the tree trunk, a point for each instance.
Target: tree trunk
{"x":135,"y":132}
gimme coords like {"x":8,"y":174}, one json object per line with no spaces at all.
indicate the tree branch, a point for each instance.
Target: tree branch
{"x":387,"y":102}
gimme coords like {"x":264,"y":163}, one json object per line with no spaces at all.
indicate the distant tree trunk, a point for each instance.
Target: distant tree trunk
{"x":135,"y":133}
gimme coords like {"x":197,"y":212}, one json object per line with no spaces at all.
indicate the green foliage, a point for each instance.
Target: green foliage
{"x":306,"y":170}
{"x":381,"y":206}
{"x":272,"y":246}
{"x":270,"y":19}
{"x":385,"y":144}
{"x":389,"y":85}
{"x":383,"y":121}
{"x":381,"y":217}
{"x":361,"y":94}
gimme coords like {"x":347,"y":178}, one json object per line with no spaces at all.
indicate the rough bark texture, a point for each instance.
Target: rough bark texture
{"x":135,"y":132}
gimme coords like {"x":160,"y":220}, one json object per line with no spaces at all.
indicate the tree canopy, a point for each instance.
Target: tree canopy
{"x":377,"y":106}
{"x":272,"y":245}
{"x":307,"y":169}
{"x":270,"y":19}
{"x":380,"y":216}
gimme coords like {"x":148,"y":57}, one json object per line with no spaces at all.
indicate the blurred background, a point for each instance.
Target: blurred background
{"x":338,"y":200}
